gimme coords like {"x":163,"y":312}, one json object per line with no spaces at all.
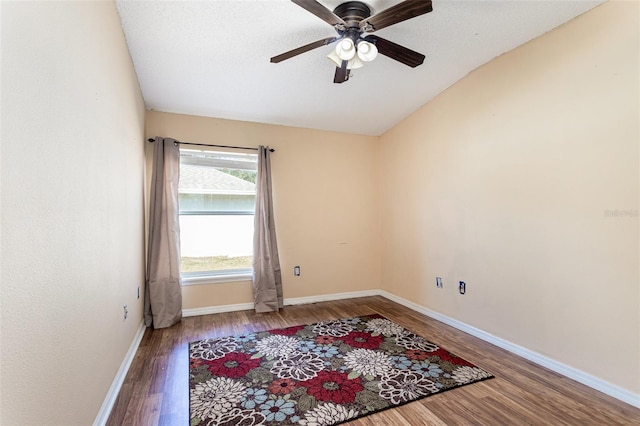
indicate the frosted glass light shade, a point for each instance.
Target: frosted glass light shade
{"x":346,"y":49}
{"x":367,"y":52}
{"x":354,"y":63}
{"x":334,"y":58}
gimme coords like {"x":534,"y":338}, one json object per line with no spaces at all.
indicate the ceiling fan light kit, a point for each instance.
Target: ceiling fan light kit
{"x":353,"y":23}
{"x":355,"y":56}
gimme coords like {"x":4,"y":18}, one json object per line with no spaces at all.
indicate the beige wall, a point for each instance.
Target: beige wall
{"x":325,"y":204}
{"x":503,"y":181}
{"x":506,"y":181}
{"x":72,"y":209}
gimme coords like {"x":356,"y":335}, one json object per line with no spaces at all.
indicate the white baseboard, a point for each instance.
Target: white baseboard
{"x":216,"y":309}
{"x":329,"y":297}
{"x":289,"y":301}
{"x":116,"y":385}
{"x":567,"y":371}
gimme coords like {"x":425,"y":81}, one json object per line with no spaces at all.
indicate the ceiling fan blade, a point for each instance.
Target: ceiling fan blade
{"x":342,"y":73}
{"x":400,"y":12}
{"x":302,"y":49}
{"x":395,"y":51}
{"x":321,"y":12}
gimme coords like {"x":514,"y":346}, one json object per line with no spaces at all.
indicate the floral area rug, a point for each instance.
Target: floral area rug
{"x":318,"y":374}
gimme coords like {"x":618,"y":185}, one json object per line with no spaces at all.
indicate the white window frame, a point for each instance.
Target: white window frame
{"x":191,"y":279}
{"x":221,"y":276}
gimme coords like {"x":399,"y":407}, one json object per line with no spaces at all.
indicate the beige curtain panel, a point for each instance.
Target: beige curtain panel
{"x":267,"y":277}
{"x":163,"y":290}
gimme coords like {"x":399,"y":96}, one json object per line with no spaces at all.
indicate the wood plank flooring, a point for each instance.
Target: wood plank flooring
{"x":155,"y":391}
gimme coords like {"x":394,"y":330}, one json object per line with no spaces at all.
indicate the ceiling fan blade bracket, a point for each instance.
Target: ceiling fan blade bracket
{"x":367,"y":27}
{"x":340,"y":28}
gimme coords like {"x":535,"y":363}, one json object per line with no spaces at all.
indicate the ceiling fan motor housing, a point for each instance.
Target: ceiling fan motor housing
{"x":352,"y":12}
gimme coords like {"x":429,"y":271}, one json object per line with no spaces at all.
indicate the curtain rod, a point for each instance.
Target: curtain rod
{"x":217,"y":146}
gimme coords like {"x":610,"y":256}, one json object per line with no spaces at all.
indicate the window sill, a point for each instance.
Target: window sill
{"x":216,"y":279}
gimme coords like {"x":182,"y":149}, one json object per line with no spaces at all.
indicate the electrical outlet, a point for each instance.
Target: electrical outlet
{"x":462,"y":287}
{"x":126,"y":311}
{"x":439,"y":282}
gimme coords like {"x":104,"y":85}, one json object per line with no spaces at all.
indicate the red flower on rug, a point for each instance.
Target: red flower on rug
{"x":448,"y":356}
{"x":359,"y":339}
{"x":325,"y":340}
{"x":289,"y":331}
{"x":233,"y":364}
{"x":333,"y":386}
{"x":282,"y":386}
{"x":195,"y":363}
{"x":417,"y":355}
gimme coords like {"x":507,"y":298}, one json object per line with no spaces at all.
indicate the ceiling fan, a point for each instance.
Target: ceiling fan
{"x":353,"y":22}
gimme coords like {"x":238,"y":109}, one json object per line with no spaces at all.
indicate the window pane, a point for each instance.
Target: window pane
{"x":216,"y":242}
{"x":217,"y":199}
{"x":216,"y":203}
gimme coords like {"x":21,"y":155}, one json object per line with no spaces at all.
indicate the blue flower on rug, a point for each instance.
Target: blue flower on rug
{"x":254,"y":397}
{"x":401,"y":362}
{"x":326,"y":351}
{"x":246,"y":338}
{"x":427,"y":369}
{"x":277,"y":410}
{"x":306,"y":345}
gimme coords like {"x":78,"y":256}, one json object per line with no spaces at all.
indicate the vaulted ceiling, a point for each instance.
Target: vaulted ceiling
{"x":212,"y":58}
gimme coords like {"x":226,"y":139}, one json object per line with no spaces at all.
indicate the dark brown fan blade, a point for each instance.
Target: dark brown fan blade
{"x":400,"y":12}
{"x":305,"y":48}
{"x":395,"y":51}
{"x":321,"y":12}
{"x":342,"y":73}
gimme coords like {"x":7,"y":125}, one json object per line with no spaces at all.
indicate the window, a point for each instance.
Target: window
{"x":216,"y":196}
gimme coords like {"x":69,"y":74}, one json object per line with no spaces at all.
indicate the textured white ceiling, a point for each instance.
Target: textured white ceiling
{"x":211,"y":58}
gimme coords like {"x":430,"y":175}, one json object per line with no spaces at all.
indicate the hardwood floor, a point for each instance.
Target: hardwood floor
{"x":155,"y":391}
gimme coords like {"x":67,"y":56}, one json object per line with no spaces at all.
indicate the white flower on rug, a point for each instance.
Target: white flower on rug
{"x":277,"y":345}
{"x":238,"y":417}
{"x":332,"y":328}
{"x":215,"y":397}
{"x":211,"y":349}
{"x":417,"y":343}
{"x":467,"y":374}
{"x":300,"y":366}
{"x":368,"y":362}
{"x":384,"y":326}
{"x":402,"y":386}
{"x":327,"y":414}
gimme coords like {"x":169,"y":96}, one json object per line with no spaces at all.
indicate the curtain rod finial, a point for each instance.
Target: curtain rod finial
{"x":151,"y":140}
